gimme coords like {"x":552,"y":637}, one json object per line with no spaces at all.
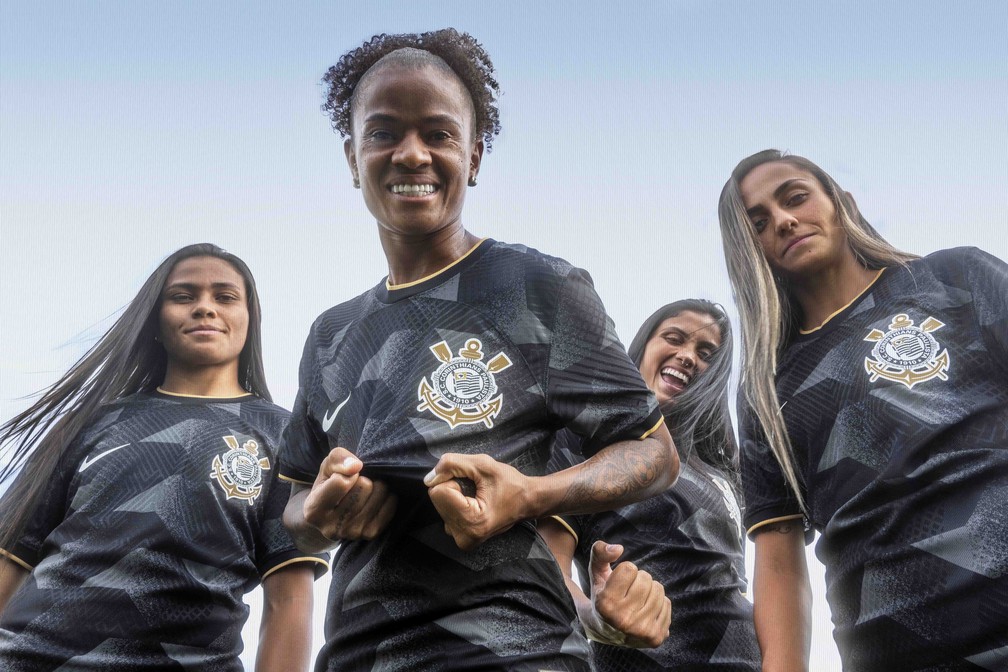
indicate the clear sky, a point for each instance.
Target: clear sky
{"x":130,"y":129}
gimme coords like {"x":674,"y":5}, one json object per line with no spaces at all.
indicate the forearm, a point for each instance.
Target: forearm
{"x":285,"y":632}
{"x":305,"y":535}
{"x":783,"y":598}
{"x":11,"y":578}
{"x":619,"y":474}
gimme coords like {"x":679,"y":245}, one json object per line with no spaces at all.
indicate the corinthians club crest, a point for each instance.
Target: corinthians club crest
{"x":461,"y":391}
{"x":239,"y":470}
{"x":907,"y":354}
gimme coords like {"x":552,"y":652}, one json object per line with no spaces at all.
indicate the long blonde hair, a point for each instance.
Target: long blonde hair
{"x":768,"y":312}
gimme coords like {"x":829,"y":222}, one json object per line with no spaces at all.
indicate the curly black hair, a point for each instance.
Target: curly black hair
{"x":463,"y":54}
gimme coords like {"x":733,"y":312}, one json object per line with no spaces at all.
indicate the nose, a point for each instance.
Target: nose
{"x":204,"y":306}
{"x":687,"y":357}
{"x":411,"y":152}
{"x":784,"y":221}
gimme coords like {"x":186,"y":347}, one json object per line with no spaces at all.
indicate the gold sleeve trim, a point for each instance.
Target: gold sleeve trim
{"x":566,"y":527}
{"x":654,"y":429}
{"x":390,"y":286}
{"x":16,"y":560}
{"x":770,"y":521}
{"x":294,"y":480}
{"x":274,"y":569}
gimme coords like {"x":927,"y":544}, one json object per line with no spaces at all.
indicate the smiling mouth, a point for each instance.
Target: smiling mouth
{"x":413,"y":189}
{"x":795,"y":242}
{"x":677,"y":375}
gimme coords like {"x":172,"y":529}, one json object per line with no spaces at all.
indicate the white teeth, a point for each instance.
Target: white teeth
{"x":669,"y":371}
{"x":413,"y":189}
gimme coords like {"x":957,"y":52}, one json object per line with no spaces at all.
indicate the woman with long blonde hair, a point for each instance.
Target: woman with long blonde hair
{"x":874,"y":402}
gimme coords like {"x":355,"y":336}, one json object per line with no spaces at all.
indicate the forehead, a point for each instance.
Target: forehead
{"x":399,"y":89}
{"x":761,"y":182}
{"x":698,"y":326}
{"x":205,"y":271}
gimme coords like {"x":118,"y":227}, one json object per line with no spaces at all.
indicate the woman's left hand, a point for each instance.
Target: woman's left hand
{"x":472,"y":517}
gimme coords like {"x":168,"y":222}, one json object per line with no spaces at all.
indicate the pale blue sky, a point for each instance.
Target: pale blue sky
{"x":130,"y":129}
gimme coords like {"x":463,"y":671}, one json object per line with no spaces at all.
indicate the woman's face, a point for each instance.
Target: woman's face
{"x":204,"y":314}
{"x":412,"y":148}
{"x":795,"y":220}
{"x":679,"y":350}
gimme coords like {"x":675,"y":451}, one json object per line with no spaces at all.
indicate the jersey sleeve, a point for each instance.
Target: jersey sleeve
{"x":304,"y":444}
{"x":988,"y":281}
{"x":274,"y":548}
{"x":593,"y":388}
{"x":49,"y":512}
{"x":768,"y":497}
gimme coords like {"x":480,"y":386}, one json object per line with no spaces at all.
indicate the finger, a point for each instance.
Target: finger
{"x":382,"y":517}
{"x":375,"y":511}
{"x":621,"y":579}
{"x":449,"y":466}
{"x":602,"y":556}
{"x":327,"y":493}
{"x":344,"y":521}
{"x":340,"y":461}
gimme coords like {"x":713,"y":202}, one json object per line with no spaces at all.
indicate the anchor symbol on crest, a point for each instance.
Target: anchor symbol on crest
{"x":907,"y":354}
{"x":462,"y":390}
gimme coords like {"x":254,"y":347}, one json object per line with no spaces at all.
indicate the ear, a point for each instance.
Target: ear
{"x":475,"y":159}
{"x":351,"y":157}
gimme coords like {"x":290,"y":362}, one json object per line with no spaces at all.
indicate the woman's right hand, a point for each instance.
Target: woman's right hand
{"x":629,"y":608}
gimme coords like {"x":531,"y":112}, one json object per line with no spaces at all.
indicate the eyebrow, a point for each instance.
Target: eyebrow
{"x":683,"y":332}
{"x":383,"y":118}
{"x":193,"y":286}
{"x":781,"y":188}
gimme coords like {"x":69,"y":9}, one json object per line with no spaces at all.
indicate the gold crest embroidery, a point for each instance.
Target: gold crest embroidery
{"x":461,"y":391}
{"x":239,"y":470}
{"x":907,"y":354}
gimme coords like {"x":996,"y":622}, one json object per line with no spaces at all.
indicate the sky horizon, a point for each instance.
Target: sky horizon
{"x":131,"y":130}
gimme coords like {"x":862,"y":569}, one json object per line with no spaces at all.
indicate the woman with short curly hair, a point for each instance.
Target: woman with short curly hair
{"x":427,"y":405}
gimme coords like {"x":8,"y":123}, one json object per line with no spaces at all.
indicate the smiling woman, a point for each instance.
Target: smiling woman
{"x":150,"y":503}
{"x":462,"y":363}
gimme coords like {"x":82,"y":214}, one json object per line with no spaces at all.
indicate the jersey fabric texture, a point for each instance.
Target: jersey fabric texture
{"x":689,"y":539}
{"x":491,"y":355}
{"x":898,"y":412}
{"x":160,"y":516}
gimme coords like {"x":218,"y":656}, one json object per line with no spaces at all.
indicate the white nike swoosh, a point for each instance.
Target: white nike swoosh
{"x":328,"y":420}
{"x":88,"y":461}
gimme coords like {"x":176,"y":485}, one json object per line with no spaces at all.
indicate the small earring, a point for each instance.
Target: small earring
{"x":356,"y":183}
{"x":472,"y":181}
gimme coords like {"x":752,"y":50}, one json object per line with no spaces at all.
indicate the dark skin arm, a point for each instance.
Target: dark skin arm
{"x":619,"y":474}
{"x":285,"y":632}
{"x":782,"y":604}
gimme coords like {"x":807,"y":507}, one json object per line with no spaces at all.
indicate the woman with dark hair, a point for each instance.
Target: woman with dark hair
{"x":873,"y":409}
{"x":460,"y":365}
{"x":147,"y":501}
{"x":688,"y":538}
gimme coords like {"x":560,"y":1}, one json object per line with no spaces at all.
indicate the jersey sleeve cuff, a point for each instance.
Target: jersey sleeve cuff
{"x":762,"y":525}
{"x":296,"y":477}
{"x":563,"y":523}
{"x":16,"y":560}
{"x":320,"y":564}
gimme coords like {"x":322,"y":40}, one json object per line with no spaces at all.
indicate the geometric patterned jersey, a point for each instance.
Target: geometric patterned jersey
{"x":898,"y":412}
{"x":689,"y":538}
{"x":491,"y":355}
{"x":158,"y":518}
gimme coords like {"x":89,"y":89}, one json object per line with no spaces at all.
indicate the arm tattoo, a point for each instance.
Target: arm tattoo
{"x":619,"y":474}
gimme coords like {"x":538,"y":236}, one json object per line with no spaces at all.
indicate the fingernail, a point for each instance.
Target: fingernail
{"x":430,"y":476}
{"x":350,"y":461}
{"x":612,"y":548}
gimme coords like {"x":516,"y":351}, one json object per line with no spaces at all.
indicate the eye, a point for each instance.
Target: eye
{"x":759,"y":223}
{"x":796,"y":198}
{"x":674,"y":338}
{"x":706,"y":355}
{"x":179,"y":297}
{"x":228,"y":298}
{"x":380,"y":135}
{"x":440,"y":136}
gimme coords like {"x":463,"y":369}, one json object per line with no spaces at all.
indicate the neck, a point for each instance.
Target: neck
{"x":410,"y":259}
{"x":203,"y":381}
{"x":830,"y":291}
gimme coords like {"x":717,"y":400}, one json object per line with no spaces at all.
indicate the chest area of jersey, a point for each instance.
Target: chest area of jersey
{"x":191,"y":460}
{"x":442,"y":377}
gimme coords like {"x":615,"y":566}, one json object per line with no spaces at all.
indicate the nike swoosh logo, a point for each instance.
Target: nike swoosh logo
{"x":330,"y":418}
{"x":88,"y":461}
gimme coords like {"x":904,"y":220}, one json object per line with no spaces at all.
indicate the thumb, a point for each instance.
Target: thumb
{"x":602,"y":556}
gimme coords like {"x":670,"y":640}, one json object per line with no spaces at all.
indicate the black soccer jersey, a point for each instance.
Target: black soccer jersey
{"x":689,"y":539}
{"x":898,"y":412}
{"x":492,"y":355}
{"x":160,"y":516}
